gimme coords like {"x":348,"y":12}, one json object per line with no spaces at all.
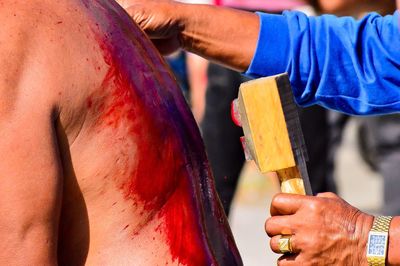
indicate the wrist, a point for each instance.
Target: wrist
{"x":187,"y":21}
{"x":393,"y":256}
{"x":363,"y":224}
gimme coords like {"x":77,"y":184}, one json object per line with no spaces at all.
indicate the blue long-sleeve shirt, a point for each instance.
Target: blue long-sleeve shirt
{"x":340,"y":63}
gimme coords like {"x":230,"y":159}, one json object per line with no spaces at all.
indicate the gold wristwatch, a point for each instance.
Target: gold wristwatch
{"x":378,"y":241}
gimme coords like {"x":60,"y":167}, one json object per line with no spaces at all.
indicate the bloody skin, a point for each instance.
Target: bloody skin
{"x":169,"y":179}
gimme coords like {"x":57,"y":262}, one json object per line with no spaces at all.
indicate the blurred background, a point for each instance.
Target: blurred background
{"x":357,"y":158}
{"x":357,"y":184}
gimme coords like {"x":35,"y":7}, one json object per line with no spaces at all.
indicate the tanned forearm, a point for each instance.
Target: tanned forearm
{"x":223,"y":35}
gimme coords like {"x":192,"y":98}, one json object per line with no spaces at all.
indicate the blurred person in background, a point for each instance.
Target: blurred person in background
{"x":378,"y":137}
{"x":222,"y":137}
{"x":177,"y":63}
{"x":340,"y":63}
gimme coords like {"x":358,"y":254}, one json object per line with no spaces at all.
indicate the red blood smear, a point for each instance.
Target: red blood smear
{"x":160,"y":170}
{"x":171,"y":177}
{"x":160,"y":180}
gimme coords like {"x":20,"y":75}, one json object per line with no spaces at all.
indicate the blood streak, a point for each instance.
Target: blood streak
{"x":160,"y":179}
{"x":170,"y":177}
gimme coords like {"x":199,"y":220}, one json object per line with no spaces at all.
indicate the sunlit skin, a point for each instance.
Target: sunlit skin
{"x":326,"y":229}
{"x":101,"y":160}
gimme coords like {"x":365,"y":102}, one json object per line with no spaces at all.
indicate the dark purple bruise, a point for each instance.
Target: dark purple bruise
{"x":154,"y":87}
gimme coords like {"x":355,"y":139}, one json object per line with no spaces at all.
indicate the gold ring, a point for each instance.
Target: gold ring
{"x":285,"y":246}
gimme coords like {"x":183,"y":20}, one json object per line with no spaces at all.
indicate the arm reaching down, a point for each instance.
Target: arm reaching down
{"x":223,"y":35}
{"x":340,"y":63}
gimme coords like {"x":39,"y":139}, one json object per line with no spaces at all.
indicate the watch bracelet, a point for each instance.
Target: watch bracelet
{"x":380,"y":224}
{"x":375,"y":261}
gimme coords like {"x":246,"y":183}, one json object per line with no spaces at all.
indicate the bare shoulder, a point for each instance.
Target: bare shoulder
{"x":48,"y":45}
{"x":38,"y":61}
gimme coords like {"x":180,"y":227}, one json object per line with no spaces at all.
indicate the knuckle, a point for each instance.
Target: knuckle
{"x":327,"y":195}
{"x":331,"y":194}
{"x":272,"y":243}
{"x":316,"y":206}
{"x":313,"y":206}
{"x":276,"y":199}
{"x":268,"y":226}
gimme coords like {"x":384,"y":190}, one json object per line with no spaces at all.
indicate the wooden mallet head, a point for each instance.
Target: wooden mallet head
{"x":272,"y":132}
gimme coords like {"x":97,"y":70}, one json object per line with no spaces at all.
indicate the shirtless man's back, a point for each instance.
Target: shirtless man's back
{"x":100,"y":159}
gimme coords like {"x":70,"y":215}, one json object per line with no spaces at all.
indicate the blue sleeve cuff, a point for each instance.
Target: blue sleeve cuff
{"x":271,"y":56}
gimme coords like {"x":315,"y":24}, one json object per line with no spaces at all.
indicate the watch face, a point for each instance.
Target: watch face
{"x":377,"y":244}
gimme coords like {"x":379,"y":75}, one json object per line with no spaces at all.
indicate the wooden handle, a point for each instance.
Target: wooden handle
{"x":291,"y":181}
